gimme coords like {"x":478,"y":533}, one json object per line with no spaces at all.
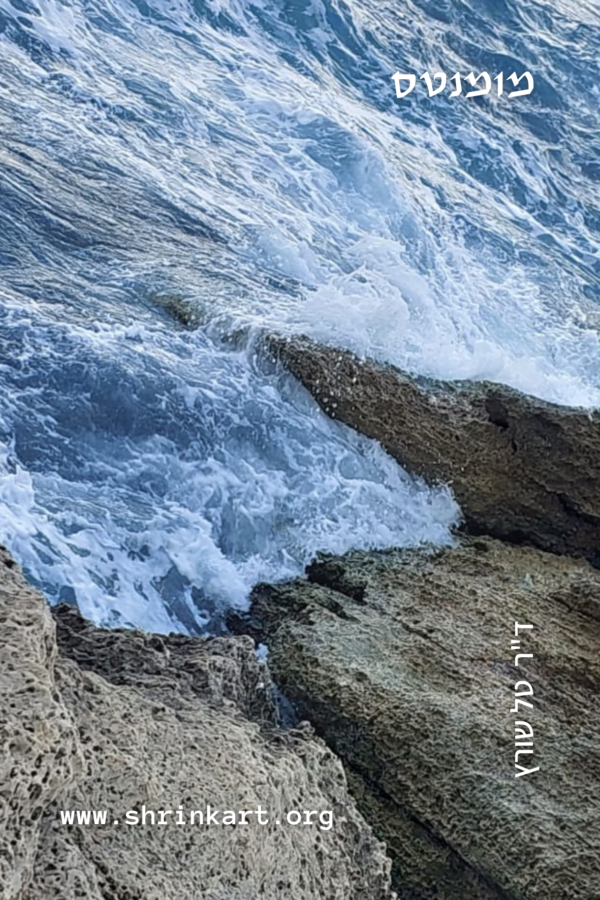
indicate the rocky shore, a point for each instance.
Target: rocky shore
{"x":403,"y":659}
{"x":117,"y":720}
{"x":403,"y":662}
{"x":522,"y":470}
{"x":400,"y":659}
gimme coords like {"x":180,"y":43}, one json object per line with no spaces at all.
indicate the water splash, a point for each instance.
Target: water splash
{"x":250,"y":161}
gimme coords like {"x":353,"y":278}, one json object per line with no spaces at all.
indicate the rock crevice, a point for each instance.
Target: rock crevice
{"x":413,"y":690}
{"x":120,"y":720}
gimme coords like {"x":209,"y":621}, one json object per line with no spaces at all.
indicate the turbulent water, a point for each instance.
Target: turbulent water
{"x":250,"y":161}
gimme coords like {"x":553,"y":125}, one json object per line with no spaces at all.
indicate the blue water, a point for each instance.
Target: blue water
{"x":251,"y":161}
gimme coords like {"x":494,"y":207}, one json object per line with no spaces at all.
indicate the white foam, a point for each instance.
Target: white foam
{"x":192,"y":485}
{"x":232,"y":165}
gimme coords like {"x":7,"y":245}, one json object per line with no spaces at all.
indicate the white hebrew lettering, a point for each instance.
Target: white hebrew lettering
{"x":525,"y":771}
{"x":458,"y":81}
{"x":522,"y":656}
{"x":517,"y":81}
{"x":482,"y":91}
{"x":520,"y":733}
{"x":412,"y":80}
{"x":428,"y":82}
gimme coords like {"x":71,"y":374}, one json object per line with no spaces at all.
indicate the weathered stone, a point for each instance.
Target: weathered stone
{"x":521,"y":469}
{"x":424,"y":867}
{"x":403,"y":661}
{"x":39,"y":745}
{"x":116,"y":720}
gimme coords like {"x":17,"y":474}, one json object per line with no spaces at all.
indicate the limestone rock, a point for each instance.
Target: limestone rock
{"x":115,"y":720}
{"x":403,"y":661}
{"x":39,"y":746}
{"x":521,"y":469}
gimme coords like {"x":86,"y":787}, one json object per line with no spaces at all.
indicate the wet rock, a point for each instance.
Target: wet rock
{"x":185,"y":312}
{"x":403,"y":661}
{"x":97,"y":720}
{"x":522,"y":469}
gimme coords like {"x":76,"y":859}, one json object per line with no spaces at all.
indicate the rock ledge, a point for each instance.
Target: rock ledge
{"x":522,"y":470}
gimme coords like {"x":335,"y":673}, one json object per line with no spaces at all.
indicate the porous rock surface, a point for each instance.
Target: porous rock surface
{"x":113,"y":720}
{"x":521,"y":469}
{"x":403,"y":660}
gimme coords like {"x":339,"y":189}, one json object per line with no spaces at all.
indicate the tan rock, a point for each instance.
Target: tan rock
{"x":521,"y":469}
{"x":39,"y":745}
{"x":116,"y":720}
{"x":403,"y":660}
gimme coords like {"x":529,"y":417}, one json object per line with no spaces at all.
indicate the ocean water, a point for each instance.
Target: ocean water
{"x":250,"y":161}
